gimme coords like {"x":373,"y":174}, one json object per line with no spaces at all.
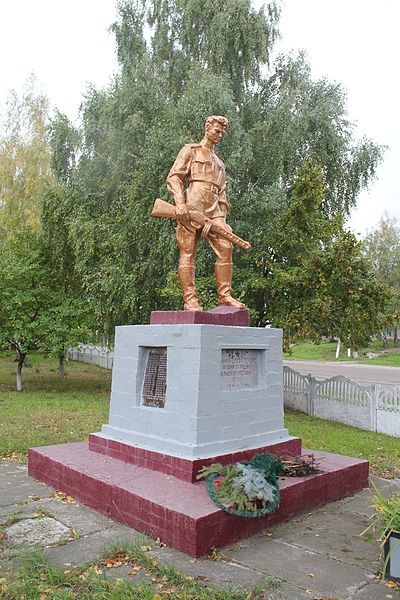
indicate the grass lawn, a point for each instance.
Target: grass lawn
{"x":382,"y":451}
{"x":327,"y":351}
{"x":36,"y":579}
{"x":51,"y":411}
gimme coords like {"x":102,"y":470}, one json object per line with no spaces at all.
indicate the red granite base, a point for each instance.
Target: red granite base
{"x":182,"y":468}
{"x":180,"y":513}
{"x":220,"y":315}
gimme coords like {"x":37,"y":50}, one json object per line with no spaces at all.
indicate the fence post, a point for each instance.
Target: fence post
{"x":311,"y":395}
{"x":375,"y":388}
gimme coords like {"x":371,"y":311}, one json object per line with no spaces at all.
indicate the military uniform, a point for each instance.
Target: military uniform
{"x":197,"y":179}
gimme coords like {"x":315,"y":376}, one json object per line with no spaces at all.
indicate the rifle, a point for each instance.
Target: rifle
{"x":199,"y":222}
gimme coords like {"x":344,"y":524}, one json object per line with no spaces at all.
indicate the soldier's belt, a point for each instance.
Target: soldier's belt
{"x":206,"y":185}
{"x":199,"y":222}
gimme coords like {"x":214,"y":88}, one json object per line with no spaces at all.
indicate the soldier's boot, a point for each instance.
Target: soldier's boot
{"x":223,"y":276}
{"x":187,"y":278}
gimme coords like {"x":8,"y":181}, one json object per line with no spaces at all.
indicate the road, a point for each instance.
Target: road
{"x":361,"y":373}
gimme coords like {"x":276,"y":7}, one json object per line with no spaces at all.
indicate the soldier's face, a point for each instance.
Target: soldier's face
{"x":214,"y":132}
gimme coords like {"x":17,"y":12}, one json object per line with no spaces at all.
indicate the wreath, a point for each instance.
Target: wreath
{"x":247,"y":489}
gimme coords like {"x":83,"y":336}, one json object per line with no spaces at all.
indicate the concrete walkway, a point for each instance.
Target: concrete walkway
{"x":364,"y":374}
{"x":319,"y":556}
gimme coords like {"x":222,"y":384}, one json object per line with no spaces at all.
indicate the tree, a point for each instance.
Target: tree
{"x":167,"y":86}
{"x":42,"y":305}
{"x":312,"y":279}
{"x":35,"y":312}
{"x":69,"y":321}
{"x":350,"y":303}
{"x":24,"y":295}
{"x":71,"y":318}
{"x":64,"y":141}
{"x":24,"y":159}
{"x":382,"y":248}
{"x":226,"y":38}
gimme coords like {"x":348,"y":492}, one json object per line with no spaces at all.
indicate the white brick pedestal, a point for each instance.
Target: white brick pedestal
{"x":224,"y":389}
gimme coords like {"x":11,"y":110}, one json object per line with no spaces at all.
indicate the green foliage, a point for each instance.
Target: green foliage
{"x":294,"y":168}
{"x":69,"y":322}
{"x":382,"y":248}
{"x":37,"y":309}
{"x":312,"y":279}
{"x":24,"y":159}
{"x":385,"y":520}
{"x":352,"y":303}
{"x":64,"y":142}
{"x":40,"y":304}
{"x":224,"y":37}
{"x":24,"y":291}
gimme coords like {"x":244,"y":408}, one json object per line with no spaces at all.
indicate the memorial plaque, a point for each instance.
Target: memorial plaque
{"x":239,"y":369}
{"x":155,"y":378}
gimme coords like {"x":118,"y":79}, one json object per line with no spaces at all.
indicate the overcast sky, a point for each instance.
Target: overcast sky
{"x":355,"y":42}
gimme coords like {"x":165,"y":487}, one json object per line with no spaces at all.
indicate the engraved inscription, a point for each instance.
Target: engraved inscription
{"x":239,"y":369}
{"x":155,"y":378}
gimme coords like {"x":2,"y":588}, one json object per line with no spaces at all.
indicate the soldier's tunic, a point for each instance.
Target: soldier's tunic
{"x":197,"y":178}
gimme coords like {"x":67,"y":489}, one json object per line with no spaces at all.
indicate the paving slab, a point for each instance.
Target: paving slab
{"x":223,"y":573}
{"x":82,"y":519}
{"x":351,"y":549}
{"x":91,"y":547}
{"x":304,"y":568}
{"x":17,"y":486}
{"x":7,"y":466}
{"x":327,"y":519}
{"x":8,"y":477}
{"x":23,"y":492}
{"x":317,"y":556}
{"x":36,"y":532}
{"x":360,"y":503}
{"x":220,"y":573}
{"x":286,"y":591}
{"x":333,"y":518}
{"x":386,"y":486}
{"x":375,"y":591}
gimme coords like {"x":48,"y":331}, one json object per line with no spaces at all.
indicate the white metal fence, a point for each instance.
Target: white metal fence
{"x":102,"y":356}
{"x":375,"y":407}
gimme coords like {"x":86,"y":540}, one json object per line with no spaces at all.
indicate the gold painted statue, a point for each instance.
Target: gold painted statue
{"x":197,"y":184}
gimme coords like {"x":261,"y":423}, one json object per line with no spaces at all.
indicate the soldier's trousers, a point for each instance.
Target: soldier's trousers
{"x":188,"y":239}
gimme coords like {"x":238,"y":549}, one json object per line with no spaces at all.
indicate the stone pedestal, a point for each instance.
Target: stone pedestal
{"x":216,"y":390}
{"x":180,"y":513}
{"x":189,"y":390}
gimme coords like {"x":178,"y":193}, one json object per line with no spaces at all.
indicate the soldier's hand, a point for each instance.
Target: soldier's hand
{"x":228,"y":227}
{"x":182,"y":214}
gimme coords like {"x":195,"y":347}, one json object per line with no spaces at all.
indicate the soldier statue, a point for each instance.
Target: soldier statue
{"x":197,"y":183}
